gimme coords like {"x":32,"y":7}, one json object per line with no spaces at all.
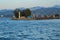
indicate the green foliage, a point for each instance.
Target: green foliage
{"x":16,"y":13}
{"x":27,"y":12}
{"x":56,"y":14}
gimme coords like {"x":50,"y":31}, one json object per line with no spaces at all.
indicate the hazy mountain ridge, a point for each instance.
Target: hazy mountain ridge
{"x":39,"y":10}
{"x":6,"y":12}
{"x":46,"y":11}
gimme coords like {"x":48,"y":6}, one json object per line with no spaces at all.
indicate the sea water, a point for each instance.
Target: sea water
{"x":29,"y":29}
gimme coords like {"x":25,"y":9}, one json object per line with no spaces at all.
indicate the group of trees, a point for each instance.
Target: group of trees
{"x":24,"y":13}
{"x":16,"y":13}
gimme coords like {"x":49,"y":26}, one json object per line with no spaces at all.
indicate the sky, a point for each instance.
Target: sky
{"x":12,"y":4}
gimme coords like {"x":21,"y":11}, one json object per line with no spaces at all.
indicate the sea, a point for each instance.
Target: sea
{"x":29,"y":29}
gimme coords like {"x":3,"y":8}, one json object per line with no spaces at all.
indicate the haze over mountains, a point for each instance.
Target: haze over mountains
{"x":39,"y":10}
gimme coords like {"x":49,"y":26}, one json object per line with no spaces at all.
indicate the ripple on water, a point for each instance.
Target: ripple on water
{"x":29,"y":30}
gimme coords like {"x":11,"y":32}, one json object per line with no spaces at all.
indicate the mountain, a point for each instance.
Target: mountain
{"x":46,"y":11}
{"x":57,"y":6}
{"x":38,"y":10}
{"x":6,"y":12}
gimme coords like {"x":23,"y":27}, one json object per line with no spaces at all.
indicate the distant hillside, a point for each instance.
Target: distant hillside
{"x":6,"y":13}
{"x":38,"y":10}
{"x":57,"y":6}
{"x":46,"y":11}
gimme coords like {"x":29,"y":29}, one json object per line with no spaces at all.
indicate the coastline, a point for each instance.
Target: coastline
{"x":33,"y":18}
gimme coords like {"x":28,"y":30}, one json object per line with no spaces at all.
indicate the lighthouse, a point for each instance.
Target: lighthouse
{"x":19,"y":15}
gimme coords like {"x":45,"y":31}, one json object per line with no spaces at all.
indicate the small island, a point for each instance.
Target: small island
{"x":22,"y":15}
{"x":25,"y":15}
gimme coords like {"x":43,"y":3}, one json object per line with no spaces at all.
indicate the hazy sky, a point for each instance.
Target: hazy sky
{"x":12,"y":4}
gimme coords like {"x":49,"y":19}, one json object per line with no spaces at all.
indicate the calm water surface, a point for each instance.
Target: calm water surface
{"x":29,"y":29}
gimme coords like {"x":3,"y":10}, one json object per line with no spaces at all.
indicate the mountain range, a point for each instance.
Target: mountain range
{"x":38,"y":10}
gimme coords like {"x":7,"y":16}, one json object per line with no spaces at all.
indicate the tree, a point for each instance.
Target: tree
{"x":27,"y":12}
{"x":56,"y":15}
{"x":16,"y":13}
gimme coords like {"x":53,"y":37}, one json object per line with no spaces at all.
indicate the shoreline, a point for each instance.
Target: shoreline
{"x":33,"y":18}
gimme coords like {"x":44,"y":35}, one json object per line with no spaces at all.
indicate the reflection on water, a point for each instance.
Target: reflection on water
{"x":29,"y":29}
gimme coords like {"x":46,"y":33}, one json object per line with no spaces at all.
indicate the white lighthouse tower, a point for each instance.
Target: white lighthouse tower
{"x":19,"y":15}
